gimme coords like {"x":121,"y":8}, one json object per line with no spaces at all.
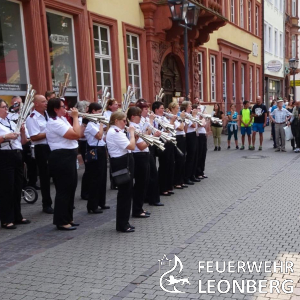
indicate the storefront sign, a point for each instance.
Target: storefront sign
{"x":12,"y":87}
{"x":59,"y":39}
{"x":297,"y":83}
{"x":274,"y":65}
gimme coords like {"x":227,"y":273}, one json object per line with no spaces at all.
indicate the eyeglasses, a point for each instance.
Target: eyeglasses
{"x":63,"y":106}
{"x":123,"y":121}
{"x":5,"y":107}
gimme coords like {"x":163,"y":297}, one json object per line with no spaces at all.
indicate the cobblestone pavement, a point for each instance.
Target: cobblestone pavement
{"x":247,"y":210}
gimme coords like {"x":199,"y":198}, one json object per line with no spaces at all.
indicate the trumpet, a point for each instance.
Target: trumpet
{"x":193,"y":119}
{"x":25,"y":107}
{"x":179,"y":119}
{"x":151,"y":140}
{"x":213,"y":119}
{"x":96,"y":118}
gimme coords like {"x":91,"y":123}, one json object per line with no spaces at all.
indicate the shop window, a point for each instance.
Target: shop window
{"x":62,"y":50}
{"x":134,"y":63}
{"x":200,"y":64}
{"x":213,"y":82}
{"x":13,"y":75}
{"x":103,"y":62}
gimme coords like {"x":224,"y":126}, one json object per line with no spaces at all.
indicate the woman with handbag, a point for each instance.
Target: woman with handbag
{"x":141,"y":158}
{"x":96,"y":163}
{"x":62,"y":139}
{"x":122,"y":167}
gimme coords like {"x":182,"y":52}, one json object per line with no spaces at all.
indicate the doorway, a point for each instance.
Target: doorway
{"x":170,"y":79}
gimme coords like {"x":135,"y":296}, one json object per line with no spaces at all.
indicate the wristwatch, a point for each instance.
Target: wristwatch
{"x":4,"y":138}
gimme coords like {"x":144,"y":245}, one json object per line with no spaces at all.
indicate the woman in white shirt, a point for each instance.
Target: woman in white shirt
{"x":96,"y":170}
{"x":111,"y":106}
{"x":11,"y":166}
{"x":62,"y":139}
{"x":118,"y":147}
{"x":181,"y":144}
{"x":141,"y":157}
{"x":191,"y":146}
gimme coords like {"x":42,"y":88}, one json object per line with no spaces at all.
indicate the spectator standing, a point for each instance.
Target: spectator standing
{"x":246,"y":123}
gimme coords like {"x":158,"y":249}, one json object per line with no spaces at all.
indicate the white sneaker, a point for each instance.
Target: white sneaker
{"x":297,"y":150}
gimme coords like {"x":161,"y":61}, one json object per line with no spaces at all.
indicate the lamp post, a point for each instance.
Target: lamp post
{"x":293,"y":63}
{"x":186,"y":14}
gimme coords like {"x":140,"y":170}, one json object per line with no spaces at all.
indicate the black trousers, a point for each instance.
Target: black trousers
{"x":62,"y":164}
{"x":125,"y":191}
{"x":96,"y":174}
{"x":152,"y":195}
{"x":191,"y":150}
{"x":30,"y":163}
{"x":180,"y":160}
{"x":11,"y":180}
{"x":201,"y":154}
{"x":273,"y":134}
{"x":166,"y":167}
{"x":84,"y":181}
{"x":42,"y":153}
{"x":141,"y":181}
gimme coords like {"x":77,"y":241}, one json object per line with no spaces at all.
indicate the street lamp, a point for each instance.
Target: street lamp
{"x":186,"y":14}
{"x":293,"y":63}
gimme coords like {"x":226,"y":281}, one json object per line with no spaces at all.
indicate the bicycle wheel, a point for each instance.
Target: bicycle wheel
{"x":30,"y":194}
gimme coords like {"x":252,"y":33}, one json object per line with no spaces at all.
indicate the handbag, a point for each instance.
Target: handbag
{"x":91,"y":155}
{"x":122,"y":176}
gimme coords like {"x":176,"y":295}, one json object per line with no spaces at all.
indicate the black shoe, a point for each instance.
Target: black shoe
{"x":216,"y":148}
{"x":236,"y":147}
{"x":228,"y":147}
{"x":157,"y":204}
{"x":184,"y":186}
{"x":128,"y":229}
{"x":171,"y":193}
{"x":130,"y":226}
{"x":147,"y":212}
{"x":65,"y":228}
{"x":8,"y":227}
{"x":219,"y":148}
{"x":142,"y":215}
{"x":194,"y":179}
{"x":48,"y":210}
{"x":74,"y":224}
{"x":189,"y":182}
{"x":178,"y":187}
{"x":95,"y":211}
{"x":23,"y":222}
{"x":105,"y":207}
{"x":167,"y":194}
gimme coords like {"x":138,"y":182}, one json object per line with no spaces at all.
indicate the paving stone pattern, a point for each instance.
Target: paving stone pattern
{"x":247,"y":210}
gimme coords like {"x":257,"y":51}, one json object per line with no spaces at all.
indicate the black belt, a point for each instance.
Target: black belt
{"x":201,"y":133}
{"x":14,"y":150}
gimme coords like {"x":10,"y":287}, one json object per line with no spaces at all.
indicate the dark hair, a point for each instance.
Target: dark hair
{"x":94,"y":106}
{"x":141,"y":103}
{"x":194,"y":106}
{"x":1,"y":100}
{"x":110,"y":102}
{"x":218,"y":114}
{"x":245,"y":102}
{"x":133,"y":111}
{"x":53,"y":103}
{"x":49,"y":93}
{"x":156,"y":105}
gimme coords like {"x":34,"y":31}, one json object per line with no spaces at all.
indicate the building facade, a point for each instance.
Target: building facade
{"x":133,"y":42}
{"x":274,"y":64}
{"x":291,"y":42}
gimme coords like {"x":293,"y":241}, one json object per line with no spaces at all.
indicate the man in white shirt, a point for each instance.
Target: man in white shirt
{"x":36,"y":126}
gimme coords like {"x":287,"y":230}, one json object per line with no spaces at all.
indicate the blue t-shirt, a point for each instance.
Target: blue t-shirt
{"x":235,"y":115}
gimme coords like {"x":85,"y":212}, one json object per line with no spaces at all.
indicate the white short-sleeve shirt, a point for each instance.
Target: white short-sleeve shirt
{"x":55,"y":130}
{"x":116,"y":141}
{"x":189,"y":128}
{"x":176,"y":125}
{"x":107,"y":114}
{"x":36,"y":124}
{"x":140,"y":140}
{"x":6,"y":127}
{"x":91,"y":130}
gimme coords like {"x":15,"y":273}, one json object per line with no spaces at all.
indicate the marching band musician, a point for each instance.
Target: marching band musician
{"x":166,"y":157}
{"x":118,"y":147}
{"x":191,"y":146}
{"x":62,"y":139}
{"x":202,"y":147}
{"x":96,"y":170}
{"x":181,"y":144}
{"x":141,"y":158}
{"x":36,"y":126}
{"x":11,"y":175}
{"x":152,"y":194}
{"x":111,"y":106}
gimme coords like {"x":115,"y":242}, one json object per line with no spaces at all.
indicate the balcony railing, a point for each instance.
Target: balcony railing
{"x":215,"y":5}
